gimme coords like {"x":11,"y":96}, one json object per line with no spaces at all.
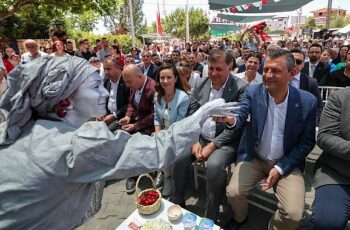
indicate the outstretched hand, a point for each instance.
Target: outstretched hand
{"x":217,"y":107}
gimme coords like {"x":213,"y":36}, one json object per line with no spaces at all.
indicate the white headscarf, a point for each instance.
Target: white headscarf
{"x":36,"y":87}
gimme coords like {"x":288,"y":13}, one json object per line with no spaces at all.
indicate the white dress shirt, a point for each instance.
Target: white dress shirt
{"x":145,"y":71}
{"x":112,"y":100}
{"x":271,"y":143}
{"x":257,"y":80}
{"x":312,"y":68}
{"x":296,"y":81}
{"x":209,"y":126}
{"x":138,"y":93}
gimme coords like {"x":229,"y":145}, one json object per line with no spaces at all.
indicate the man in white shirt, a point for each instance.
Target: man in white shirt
{"x":33,"y":51}
{"x":279,"y":135}
{"x":251,"y":75}
{"x":216,"y":145}
{"x":118,"y":99}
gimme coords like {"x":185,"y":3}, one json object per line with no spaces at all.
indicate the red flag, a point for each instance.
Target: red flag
{"x":249,"y":7}
{"x":159,"y":25}
{"x":259,"y":29}
{"x":265,"y":1}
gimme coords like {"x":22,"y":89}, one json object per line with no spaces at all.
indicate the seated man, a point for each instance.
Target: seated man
{"x":117,"y":101}
{"x":147,"y":67}
{"x":139,"y":116}
{"x":279,"y":134}
{"x":216,"y":144}
{"x":332,"y":178}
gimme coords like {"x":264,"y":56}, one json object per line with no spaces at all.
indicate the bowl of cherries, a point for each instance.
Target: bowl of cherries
{"x":148,"y":201}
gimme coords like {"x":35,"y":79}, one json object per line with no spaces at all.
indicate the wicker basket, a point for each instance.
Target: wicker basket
{"x":147,"y":209}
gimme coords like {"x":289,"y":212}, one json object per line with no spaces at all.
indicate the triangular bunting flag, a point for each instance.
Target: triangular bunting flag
{"x":233,"y":10}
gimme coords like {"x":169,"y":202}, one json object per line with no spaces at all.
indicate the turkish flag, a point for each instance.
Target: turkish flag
{"x":265,"y":1}
{"x":159,"y":25}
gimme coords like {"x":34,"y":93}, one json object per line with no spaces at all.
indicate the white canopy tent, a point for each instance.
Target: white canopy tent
{"x":344,"y":30}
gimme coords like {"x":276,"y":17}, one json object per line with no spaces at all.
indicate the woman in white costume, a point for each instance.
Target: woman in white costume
{"x":50,"y":157}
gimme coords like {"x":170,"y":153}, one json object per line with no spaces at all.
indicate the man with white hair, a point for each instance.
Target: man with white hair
{"x":33,"y":51}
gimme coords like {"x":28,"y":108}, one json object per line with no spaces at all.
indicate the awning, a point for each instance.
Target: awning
{"x":270,"y":7}
{"x":242,"y":19}
{"x":219,"y":4}
{"x":344,"y":30}
{"x":223,"y":29}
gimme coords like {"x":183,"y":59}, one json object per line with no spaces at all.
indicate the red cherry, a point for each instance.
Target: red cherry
{"x":64,"y":103}
{"x":61,"y":113}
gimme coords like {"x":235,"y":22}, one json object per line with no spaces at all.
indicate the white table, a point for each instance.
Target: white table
{"x":161,"y":213}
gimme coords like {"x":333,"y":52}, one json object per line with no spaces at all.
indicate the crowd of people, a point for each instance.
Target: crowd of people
{"x":157,"y":90}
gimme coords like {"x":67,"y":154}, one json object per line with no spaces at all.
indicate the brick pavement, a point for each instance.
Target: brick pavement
{"x":117,"y":205}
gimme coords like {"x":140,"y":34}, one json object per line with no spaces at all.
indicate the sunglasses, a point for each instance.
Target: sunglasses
{"x":31,"y":47}
{"x":298,"y":62}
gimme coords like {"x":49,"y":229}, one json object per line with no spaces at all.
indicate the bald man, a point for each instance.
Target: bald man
{"x":33,"y":51}
{"x":139,"y":115}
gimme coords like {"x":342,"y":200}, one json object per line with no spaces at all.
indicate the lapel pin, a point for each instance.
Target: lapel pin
{"x":296,"y":105}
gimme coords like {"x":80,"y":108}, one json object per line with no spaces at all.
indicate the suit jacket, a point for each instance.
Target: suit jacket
{"x":142,"y":116}
{"x":233,"y":91}
{"x":123,"y":94}
{"x":299,"y":131}
{"x":151,"y":71}
{"x":334,"y":139}
{"x":321,"y":73}
{"x":177,"y":108}
{"x":310,"y":84}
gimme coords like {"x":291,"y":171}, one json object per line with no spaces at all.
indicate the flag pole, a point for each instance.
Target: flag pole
{"x":187,"y":24}
{"x":132,"y":24}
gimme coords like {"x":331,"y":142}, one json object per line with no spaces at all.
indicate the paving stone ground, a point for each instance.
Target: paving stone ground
{"x":117,"y":205}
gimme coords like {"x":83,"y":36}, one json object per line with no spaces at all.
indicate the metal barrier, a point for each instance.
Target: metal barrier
{"x":325,"y":91}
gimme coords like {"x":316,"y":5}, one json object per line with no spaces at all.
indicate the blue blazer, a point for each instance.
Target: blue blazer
{"x":177,"y":108}
{"x":299,"y":131}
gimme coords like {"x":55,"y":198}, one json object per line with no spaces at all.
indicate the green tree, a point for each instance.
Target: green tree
{"x":338,"y":21}
{"x":116,"y":13}
{"x":174,"y":24}
{"x":9,"y":8}
{"x":310,"y":22}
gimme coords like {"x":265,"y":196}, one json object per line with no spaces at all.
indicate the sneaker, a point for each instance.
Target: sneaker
{"x":130,"y":185}
{"x":159,"y":179}
{"x":166,"y":187}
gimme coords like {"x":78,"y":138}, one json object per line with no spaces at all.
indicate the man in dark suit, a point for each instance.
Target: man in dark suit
{"x":332,"y":178}
{"x":139,"y":116}
{"x":147,"y":67}
{"x":304,"y":82}
{"x":216,"y":145}
{"x":314,"y":68}
{"x":117,"y":101}
{"x":280,"y":132}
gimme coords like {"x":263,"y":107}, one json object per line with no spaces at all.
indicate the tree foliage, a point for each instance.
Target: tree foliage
{"x":175,"y":25}
{"x":32,"y":18}
{"x":310,"y":23}
{"x":9,"y":8}
{"x":339,"y":21}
